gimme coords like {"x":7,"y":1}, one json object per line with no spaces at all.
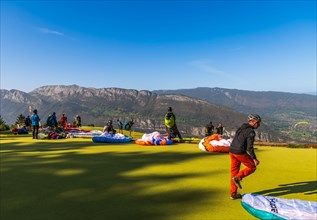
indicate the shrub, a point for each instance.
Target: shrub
{"x":302,"y":146}
{"x":4,"y":127}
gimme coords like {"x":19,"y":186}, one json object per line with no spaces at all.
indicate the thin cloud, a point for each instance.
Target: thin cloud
{"x":48,"y":31}
{"x":206,"y":67}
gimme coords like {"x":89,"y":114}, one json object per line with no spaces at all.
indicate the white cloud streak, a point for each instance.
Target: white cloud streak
{"x":48,"y":31}
{"x":206,"y":67}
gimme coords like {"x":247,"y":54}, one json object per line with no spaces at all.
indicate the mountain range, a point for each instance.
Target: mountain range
{"x":194,"y":108}
{"x":281,"y":111}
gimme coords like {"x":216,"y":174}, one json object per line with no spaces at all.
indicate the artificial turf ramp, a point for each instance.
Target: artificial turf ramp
{"x":78,"y":179}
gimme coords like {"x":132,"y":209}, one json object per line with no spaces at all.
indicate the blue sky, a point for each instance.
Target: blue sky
{"x":149,"y":45}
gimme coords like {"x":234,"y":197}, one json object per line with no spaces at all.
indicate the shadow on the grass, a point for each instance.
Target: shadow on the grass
{"x":98,"y":185}
{"x":308,"y":188}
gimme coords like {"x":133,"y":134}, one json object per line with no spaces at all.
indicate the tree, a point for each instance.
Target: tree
{"x":3,"y":125}
{"x":20,"y":120}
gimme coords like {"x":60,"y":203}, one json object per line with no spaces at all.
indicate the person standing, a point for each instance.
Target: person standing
{"x":35,"y":124}
{"x":242,"y":152}
{"x":128,"y":126}
{"x":219,"y":129}
{"x":170,"y":125}
{"x":54,"y":120}
{"x":109,"y":128}
{"x":78,"y":121}
{"x":27,"y":122}
{"x":63,"y":120}
{"x":120,"y":126}
{"x":209,"y":129}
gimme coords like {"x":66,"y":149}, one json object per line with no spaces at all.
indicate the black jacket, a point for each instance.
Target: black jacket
{"x":243,"y":141}
{"x":109,"y":129}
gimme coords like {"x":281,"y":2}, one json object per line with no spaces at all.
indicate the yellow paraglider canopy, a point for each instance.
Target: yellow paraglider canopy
{"x":301,"y":123}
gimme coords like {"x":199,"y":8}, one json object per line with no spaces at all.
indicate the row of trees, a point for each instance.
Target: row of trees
{"x":20,"y":121}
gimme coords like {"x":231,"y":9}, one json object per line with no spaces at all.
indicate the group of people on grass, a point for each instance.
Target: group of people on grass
{"x":64,"y":122}
{"x":121,"y":126}
{"x":209,"y":129}
{"x":169,"y":121}
{"x":241,"y":149}
{"x":52,"y":125}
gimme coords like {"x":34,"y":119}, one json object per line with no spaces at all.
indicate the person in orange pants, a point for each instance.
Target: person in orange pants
{"x":242,"y":152}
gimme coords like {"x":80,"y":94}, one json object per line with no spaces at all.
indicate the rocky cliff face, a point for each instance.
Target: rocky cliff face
{"x":17,"y":96}
{"x":96,"y":106}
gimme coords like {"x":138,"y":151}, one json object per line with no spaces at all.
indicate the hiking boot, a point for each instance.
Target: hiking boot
{"x":236,"y":182}
{"x":236,"y":196}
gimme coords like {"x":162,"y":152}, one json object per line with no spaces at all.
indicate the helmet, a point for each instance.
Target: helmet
{"x":169,"y":109}
{"x":110,"y":122}
{"x":254,"y":117}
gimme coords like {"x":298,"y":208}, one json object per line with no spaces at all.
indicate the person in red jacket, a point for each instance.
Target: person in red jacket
{"x":242,"y":151}
{"x":63,"y":120}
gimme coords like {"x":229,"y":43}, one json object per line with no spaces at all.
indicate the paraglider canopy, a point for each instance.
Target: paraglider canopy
{"x":301,"y":123}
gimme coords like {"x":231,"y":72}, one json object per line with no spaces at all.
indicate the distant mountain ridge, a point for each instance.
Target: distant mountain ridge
{"x":245,"y":101}
{"x":147,"y":108}
{"x":280,"y":110}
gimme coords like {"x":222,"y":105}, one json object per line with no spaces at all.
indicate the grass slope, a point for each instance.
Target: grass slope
{"x":78,"y":179}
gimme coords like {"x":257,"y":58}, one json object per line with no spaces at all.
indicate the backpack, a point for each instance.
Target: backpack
{"x":169,"y":120}
{"x":128,"y":125}
{"x":120,"y":124}
{"x":49,"y":121}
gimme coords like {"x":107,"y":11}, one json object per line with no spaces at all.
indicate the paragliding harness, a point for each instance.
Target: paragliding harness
{"x":169,"y":120}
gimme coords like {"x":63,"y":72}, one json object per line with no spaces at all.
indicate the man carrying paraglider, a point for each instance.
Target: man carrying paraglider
{"x":242,"y":152}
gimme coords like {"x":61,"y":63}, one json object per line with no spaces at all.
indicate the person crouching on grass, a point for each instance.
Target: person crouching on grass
{"x":242,"y":151}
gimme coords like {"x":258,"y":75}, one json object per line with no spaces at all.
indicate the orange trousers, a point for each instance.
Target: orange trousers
{"x":236,"y":160}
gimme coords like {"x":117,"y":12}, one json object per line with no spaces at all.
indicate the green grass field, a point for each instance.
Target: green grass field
{"x":78,"y":179}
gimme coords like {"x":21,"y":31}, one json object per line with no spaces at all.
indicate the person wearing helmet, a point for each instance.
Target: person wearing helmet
{"x":170,"y":125}
{"x":242,"y":151}
{"x":78,"y":121}
{"x":109,"y":128}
